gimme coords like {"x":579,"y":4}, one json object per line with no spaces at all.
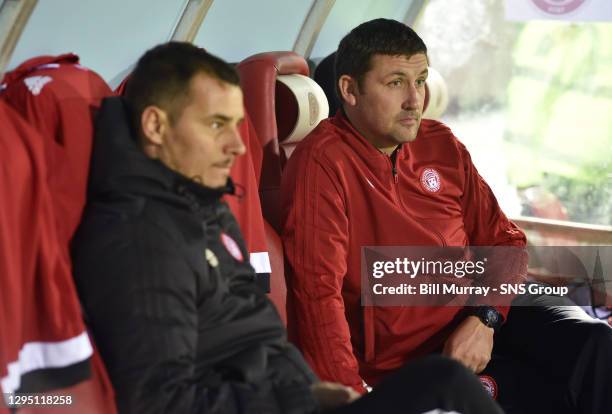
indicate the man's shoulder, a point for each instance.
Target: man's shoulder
{"x":437,"y":135}
{"x":325,"y":135}
{"x":326,"y":141}
{"x":432,"y":129}
{"x":130,"y":223}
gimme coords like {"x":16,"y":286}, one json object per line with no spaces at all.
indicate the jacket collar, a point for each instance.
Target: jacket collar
{"x":365,"y":147}
{"x":377,"y":161}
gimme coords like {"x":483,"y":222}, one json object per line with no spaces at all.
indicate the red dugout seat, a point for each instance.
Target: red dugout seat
{"x":246,"y":206}
{"x":284,"y":105}
{"x":278,"y":288}
{"x":258,"y":79}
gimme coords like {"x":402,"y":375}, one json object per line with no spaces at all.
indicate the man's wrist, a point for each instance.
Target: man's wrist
{"x":488,"y":315}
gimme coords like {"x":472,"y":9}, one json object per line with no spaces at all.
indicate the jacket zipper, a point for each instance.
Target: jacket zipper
{"x":393,"y":161}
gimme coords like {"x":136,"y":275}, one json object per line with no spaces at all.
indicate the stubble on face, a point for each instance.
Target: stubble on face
{"x":204,"y":142}
{"x":390,"y":100}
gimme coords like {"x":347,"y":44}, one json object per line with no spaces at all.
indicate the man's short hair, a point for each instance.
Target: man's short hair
{"x":162,"y":78}
{"x":375,"y":37}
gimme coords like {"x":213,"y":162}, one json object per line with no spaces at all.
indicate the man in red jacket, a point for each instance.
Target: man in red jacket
{"x":376,"y":174}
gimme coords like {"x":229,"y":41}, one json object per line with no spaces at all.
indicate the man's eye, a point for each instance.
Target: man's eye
{"x":420,"y":82}
{"x":216,"y":125}
{"x":396,"y":82}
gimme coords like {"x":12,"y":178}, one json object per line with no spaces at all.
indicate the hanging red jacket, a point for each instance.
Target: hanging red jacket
{"x":59,"y":98}
{"x":340,"y":193}
{"x":35,"y":277}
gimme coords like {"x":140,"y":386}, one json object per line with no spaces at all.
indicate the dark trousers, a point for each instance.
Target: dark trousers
{"x":433,"y":385}
{"x":549,"y":358}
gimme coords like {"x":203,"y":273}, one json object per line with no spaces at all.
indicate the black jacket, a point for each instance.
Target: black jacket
{"x":180,"y":322}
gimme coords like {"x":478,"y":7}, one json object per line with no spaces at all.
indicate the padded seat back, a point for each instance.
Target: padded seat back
{"x":300,"y":106}
{"x":279,"y":107}
{"x":278,"y":287}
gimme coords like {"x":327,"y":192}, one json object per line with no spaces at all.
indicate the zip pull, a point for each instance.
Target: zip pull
{"x":393,"y":159}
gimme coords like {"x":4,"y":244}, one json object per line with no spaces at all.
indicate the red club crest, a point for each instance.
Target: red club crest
{"x":430,"y":180}
{"x":232,"y":247}
{"x":489,"y":385}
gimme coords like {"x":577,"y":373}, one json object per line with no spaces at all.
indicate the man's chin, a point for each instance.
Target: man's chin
{"x":214,"y":184}
{"x":407,"y":135}
{"x":217,"y":185}
{"x":412,"y":134}
{"x":406,"y":138}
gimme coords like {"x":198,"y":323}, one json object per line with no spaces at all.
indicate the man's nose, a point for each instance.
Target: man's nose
{"x":411,"y":100}
{"x":235,"y":144}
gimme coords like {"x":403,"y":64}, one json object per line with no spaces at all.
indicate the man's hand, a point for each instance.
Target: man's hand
{"x":471,"y":344}
{"x":331,"y":394}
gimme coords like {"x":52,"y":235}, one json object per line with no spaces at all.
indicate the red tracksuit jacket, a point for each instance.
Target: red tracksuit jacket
{"x":339,"y":194}
{"x":35,"y":278}
{"x":59,"y":98}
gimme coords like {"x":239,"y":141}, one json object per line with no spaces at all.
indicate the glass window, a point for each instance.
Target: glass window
{"x":235,"y":30}
{"x":109,"y":35}
{"x":346,"y":14}
{"x":532,"y":102}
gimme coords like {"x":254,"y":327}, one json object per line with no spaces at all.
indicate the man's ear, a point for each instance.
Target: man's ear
{"x":348,"y":89}
{"x":153,"y":123}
